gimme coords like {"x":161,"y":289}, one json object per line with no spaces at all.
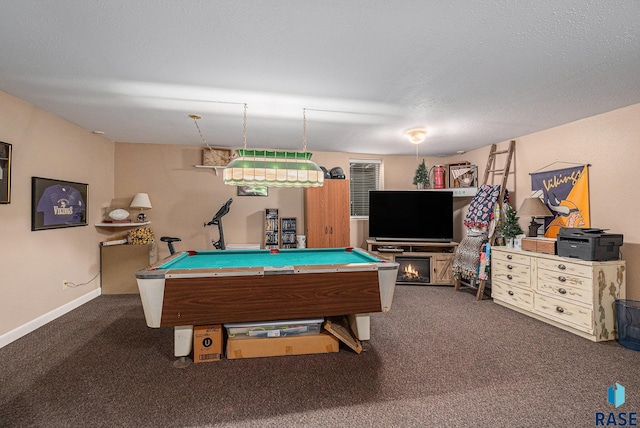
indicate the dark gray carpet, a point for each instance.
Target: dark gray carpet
{"x":439,"y":358}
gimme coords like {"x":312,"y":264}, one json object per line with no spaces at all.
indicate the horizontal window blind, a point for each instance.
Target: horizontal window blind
{"x":364,"y":176}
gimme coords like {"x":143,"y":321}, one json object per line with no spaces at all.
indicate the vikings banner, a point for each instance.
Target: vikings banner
{"x":566,"y":194}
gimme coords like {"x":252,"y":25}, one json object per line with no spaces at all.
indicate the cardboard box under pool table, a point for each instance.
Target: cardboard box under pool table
{"x":207,"y":343}
{"x":278,"y":346}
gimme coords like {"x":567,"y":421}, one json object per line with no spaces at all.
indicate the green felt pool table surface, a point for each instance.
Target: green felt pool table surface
{"x":208,"y":259}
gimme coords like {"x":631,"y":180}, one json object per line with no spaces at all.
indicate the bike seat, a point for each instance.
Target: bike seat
{"x":169,"y":239}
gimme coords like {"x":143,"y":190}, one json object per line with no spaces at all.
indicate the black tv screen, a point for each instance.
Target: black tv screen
{"x":411,"y":215}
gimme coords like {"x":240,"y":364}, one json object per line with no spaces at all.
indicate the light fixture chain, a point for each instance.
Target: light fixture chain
{"x":304,"y":129}
{"x":195,"y":120}
{"x":244,"y":126}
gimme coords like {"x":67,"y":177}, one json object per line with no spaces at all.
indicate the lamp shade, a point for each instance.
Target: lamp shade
{"x":534,"y":207}
{"x":273,"y":169}
{"x":141,"y":200}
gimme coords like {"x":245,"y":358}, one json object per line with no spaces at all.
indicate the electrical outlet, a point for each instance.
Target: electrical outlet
{"x":65,"y":284}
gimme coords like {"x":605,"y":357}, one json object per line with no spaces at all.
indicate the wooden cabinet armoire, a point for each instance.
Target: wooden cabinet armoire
{"x":326,"y":215}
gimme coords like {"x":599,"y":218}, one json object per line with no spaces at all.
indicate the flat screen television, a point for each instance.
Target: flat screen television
{"x":411,"y":215}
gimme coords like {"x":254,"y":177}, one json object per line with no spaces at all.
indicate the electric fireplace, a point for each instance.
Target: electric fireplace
{"x":413,"y":270}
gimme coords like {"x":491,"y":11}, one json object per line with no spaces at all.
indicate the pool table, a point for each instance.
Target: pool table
{"x":226,"y":286}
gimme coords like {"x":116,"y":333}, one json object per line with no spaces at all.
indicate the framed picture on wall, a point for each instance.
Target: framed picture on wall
{"x":5,"y":173}
{"x":253,"y":191}
{"x":58,"y":203}
{"x":463,"y":175}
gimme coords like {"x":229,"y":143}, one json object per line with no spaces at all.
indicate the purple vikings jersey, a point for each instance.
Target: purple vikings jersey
{"x":61,"y":205}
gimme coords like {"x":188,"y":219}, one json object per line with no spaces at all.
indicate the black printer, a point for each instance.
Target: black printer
{"x":588,"y":244}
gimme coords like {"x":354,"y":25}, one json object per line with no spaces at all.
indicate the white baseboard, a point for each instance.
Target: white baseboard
{"x":27,"y":328}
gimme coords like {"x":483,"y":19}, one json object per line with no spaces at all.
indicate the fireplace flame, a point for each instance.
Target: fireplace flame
{"x":411,"y":272}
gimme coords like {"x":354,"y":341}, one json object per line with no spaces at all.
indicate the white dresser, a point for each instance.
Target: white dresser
{"x":575,"y":295}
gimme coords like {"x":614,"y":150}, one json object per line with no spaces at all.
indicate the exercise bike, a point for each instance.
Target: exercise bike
{"x":215,"y":221}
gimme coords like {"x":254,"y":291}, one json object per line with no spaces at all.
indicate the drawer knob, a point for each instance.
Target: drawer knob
{"x":562,"y":279}
{"x":562,"y":267}
{"x":509,"y":276}
{"x":559,"y":309}
{"x":562,"y":291}
{"x":510,"y":293}
{"x":509,"y":267}
{"x":509,"y":256}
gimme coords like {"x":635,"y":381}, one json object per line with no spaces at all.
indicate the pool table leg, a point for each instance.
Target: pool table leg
{"x":182,"y":344}
{"x":360,"y":325}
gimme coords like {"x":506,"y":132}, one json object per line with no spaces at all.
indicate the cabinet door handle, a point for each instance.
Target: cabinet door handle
{"x":562,"y":279}
{"x":510,"y":293}
{"x":559,"y":309}
{"x":326,"y":230}
{"x":509,"y":257}
{"x":562,"y":291}
{"x":509,"y":267}
{"x":509,"y":276}
{"x":562,"y":267}
{"x":331,"y":230}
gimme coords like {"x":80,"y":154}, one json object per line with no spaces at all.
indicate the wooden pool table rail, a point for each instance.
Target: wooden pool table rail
{"x":225,"y":299}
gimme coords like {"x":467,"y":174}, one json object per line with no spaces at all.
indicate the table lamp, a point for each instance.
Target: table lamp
{"x":141,"y":200}
{"x":534,"y":207}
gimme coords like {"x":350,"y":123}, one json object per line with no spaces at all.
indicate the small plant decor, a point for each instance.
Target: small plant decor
{"x":510,"y":227}
{"x":421,"y":179}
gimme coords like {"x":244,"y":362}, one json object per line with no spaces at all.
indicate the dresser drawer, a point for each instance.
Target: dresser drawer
{"x":516,"y":296}
{"x":563,"y":267}
{"x":563,"y":291}
{"x":511,"y":273}
{"x":563,"y":279}
{"x":510,"y":257}
{"x":574,"y":315}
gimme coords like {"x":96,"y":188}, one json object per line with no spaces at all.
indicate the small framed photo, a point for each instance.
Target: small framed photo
{"x":253,"y":191}
{"x":517,"y":243}
{"x":5,"y":173}
{"x":57,"y":203}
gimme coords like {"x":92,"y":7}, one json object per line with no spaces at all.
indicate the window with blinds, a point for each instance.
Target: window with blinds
{"x":364,"y":176}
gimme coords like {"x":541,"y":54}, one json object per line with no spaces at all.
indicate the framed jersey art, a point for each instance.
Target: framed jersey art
{"x":5,"y":173}
{"x":57,"y":203}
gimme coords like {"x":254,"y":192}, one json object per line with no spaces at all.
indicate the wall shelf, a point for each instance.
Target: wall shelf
{"x":458,"y":192}
{"x":131,"y":224}
{"x":214,"y":168}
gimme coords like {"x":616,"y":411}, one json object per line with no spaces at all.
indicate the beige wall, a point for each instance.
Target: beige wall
{"x":185,"y":197}
{"x":34,"y":264}
{"x":610,"y":142}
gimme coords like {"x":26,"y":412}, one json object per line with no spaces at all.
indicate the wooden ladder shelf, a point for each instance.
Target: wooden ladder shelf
{"x":490,"y":173}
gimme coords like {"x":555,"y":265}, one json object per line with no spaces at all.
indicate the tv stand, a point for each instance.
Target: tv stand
{"x":439,"y":255}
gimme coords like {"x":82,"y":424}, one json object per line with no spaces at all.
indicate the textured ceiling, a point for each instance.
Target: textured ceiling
{"x":472,"y":73}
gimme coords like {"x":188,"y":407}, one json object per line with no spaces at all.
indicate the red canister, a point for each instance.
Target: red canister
{"x":438,"y":176}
